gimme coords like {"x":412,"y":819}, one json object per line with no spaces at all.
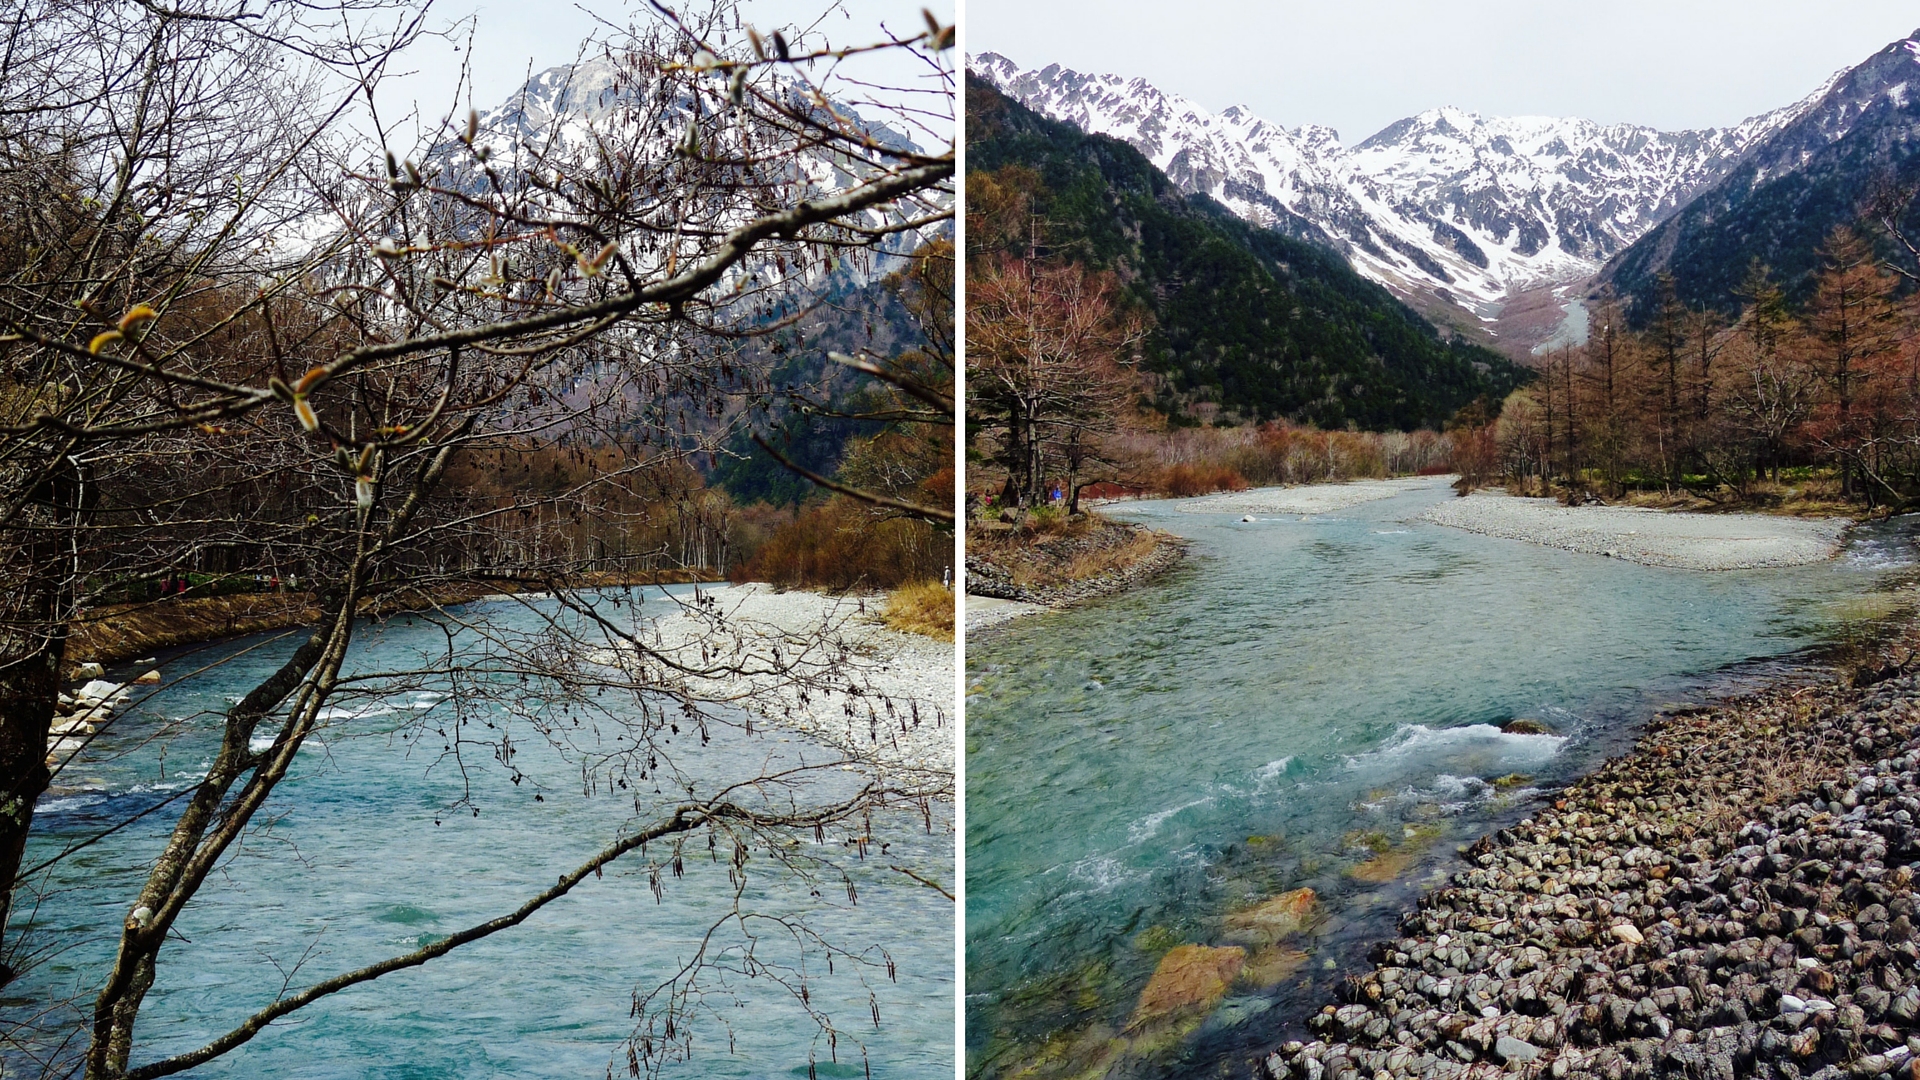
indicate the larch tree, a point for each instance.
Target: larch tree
{"x":1770,"y":391}
{"x":1848,"y":336}
{"x":1050,"y":348}
{"x":1665,"y":357}
{"x":1606,"y":379}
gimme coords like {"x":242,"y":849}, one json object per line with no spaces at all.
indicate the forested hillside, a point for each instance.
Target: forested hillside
{"x":1854,"y":154}
{"x":1246,"y":324}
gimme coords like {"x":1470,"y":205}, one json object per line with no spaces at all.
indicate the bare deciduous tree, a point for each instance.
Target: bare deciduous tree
{"x":235,"y":342}
{"x":1049,"y":352}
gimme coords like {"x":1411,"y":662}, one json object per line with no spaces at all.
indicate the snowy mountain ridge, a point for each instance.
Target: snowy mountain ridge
{"x":594,"y":116}
{"x":571,"y":99}
{"x":1447,"y":203}
{"x":1788,"y":192}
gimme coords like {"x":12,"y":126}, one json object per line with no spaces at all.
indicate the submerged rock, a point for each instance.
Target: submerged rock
{"x":1190,"y":981}
{"x":1273,"y":965}
{"x":1384,"y":867}
{"x":1236,"y":1011}
{"x":1275,"y":919}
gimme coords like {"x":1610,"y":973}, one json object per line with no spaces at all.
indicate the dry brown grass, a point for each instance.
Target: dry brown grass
{"x":1061,"y":551}
{"x":1050,"y":522}
{"x":925,"y":608}
{"x":1680,"y":499}
{"x":1817,"y":496}
{"x":1094,"y":563}
{"x":1773,"y":779}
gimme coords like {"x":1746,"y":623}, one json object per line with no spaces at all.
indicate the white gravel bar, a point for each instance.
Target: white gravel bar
{"x":985,"y":611}
{"x":1308,"y":498}
{"x":891,"y":673}
{"x":1679,"y":540}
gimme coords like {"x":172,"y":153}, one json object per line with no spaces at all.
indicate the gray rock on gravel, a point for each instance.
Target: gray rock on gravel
{"x":1511,"y":1050}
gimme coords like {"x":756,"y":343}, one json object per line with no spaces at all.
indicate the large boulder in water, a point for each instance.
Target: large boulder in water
{"x":1525,"y":727}
{"x":1189,"y":982}
{"x":1283,"y":915}
{"x":100,"y":690}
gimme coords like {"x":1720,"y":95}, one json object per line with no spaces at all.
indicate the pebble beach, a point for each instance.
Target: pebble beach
{"x":1678,"y":540}
{"x":906,"y":679}
{"x":1734,"y":898}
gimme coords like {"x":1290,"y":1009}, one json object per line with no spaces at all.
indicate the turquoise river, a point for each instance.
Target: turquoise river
{"x":379,"y":843}
{"x":1311,"y":702}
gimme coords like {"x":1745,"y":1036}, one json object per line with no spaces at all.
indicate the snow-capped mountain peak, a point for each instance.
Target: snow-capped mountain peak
{"x":598,"y":118}
{"x":1446,"y":203}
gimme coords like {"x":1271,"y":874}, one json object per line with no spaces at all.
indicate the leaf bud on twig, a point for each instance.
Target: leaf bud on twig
{"x":139,"y":316}
{"x":310,"y":380}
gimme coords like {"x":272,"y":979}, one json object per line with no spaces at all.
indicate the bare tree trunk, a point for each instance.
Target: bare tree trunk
{"x":178,"y":872}
{"x":1033,"y":479}
{"x":29,"y":687}
{"x":31,"y":654}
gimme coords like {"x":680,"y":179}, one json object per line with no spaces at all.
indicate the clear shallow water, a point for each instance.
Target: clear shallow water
{"x":1313,"y":703}
{"x":373,"y":853}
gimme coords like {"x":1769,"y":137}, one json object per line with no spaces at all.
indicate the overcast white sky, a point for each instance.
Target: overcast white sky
{"x":513,"y":37}
{"x":1359,"y":65}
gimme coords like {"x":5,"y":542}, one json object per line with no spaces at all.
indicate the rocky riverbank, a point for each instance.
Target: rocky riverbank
{"x":1735,"y":898}
{"x":1099,"y":559}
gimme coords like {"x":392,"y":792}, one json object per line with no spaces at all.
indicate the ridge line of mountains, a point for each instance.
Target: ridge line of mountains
{"x":1491,"y":225}
{"x":1247,"y":324}
{"x":567,"y":106}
